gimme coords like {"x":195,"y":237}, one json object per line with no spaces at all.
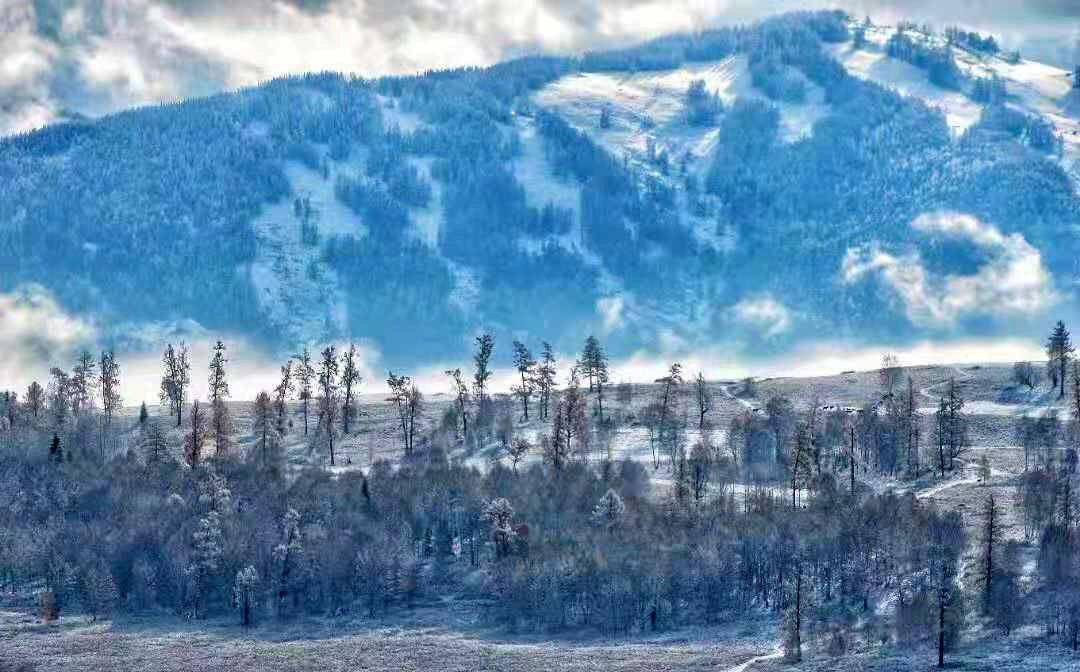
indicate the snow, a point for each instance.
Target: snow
{"x":1032,"y":87}
{"x":871,"y":63}
{"x":651,"y":105}
{"x":295,"y":289}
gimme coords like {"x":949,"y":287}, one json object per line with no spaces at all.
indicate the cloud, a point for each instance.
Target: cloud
{"x":610,"y":309}
{"x":99,"y":56}
{"x":1013,"y":282}
{"x":765,"y":313}
{"x":34,"y":331}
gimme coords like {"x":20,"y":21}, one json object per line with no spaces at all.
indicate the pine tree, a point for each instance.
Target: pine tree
{"x":154,"y":443}
{"x":264,"y":427}
{"x":111,"y":402}
{"x":485,"y":344}
{"x":196,"y":436}
{"x":1059,"y":349}
{"x":461,"y":397}
{"x":83,"y":383}
{"x":545,"y":379}
{"x":218,"y":388}
{"x":350,"y":378}
{"x":281,"y":394}
{"x":525,"y":365}
{"x":304,"y":374}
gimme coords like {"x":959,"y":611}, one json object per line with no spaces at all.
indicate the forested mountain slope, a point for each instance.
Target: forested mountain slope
{"x":752,"y":184}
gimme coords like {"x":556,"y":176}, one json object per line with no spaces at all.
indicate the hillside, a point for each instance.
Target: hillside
{"x":555,"y":197}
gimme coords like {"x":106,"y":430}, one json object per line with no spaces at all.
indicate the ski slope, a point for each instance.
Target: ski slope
{"x":649,"y":109}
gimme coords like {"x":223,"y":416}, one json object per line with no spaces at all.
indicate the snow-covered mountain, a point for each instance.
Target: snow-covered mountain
{"x":805,"y":177}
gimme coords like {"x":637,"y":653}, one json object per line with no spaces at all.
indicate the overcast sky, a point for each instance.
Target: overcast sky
{"x":92,"y":57}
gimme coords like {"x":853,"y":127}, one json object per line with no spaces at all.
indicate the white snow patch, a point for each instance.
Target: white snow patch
{"x":296,"y":290}
{"x":650,"y":106}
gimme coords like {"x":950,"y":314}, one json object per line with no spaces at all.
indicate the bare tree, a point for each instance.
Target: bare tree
{"x":703,"y":397}
{"x":461,"y":398}
{"x":890,"y":372}
{"x":328,"y":403}
{"x":176,"y":377}
{"x":284,"y":388}
{"x":196,"y":436}
{"x":409,"y":402}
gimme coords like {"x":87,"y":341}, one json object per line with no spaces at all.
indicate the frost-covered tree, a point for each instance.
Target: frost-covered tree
{"x":206,"y":553}
{"x":244,"y":593}
{"x":154,"y":444}
{"x":460,"y":392}
{"x":350,"y":378}
{"x":288,"y":556}
{"x":609,"y":511}
{"x":499,"y":513}
{"x":35,"y":399}
{"x":304,"y":375}
{"x":284,"y":388}
{"x":265,"y":429}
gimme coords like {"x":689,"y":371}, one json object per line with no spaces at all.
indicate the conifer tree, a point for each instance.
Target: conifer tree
{"x":350,"y":378}
{"x":525,"y":365}
{"x":1059,"y":350}
{"x":304,"y":375}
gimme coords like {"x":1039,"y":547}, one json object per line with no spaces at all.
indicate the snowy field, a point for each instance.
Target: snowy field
{"x":413,"y":646}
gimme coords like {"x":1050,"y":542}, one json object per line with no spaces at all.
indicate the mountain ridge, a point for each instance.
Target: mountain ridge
{"x":413,"y":211}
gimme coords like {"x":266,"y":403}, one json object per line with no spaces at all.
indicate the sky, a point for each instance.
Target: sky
{"x":63,"y":58}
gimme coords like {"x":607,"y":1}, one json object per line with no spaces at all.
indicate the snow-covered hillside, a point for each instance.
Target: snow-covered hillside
{"x":649,"y":111}
{"x":1033,"y":88}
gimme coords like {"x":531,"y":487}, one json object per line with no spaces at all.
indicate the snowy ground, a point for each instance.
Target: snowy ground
{"x":418,"y":644}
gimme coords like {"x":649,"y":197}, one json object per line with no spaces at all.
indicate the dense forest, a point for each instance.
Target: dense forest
{"x":168,"y":197}
{"x":195,"y":513}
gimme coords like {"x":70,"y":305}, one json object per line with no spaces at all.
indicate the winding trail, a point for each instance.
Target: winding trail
{"x":778,"y":651}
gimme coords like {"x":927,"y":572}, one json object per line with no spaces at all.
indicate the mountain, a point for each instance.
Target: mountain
{"x":807,"y":176}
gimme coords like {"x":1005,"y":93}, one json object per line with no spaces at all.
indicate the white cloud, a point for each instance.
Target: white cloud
{"x":765,"y":313}
{"x":610,"y":309}
{"x":34,"y":331}
{"x":98,"y":56}
{"x":1013,"y":282}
